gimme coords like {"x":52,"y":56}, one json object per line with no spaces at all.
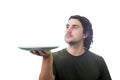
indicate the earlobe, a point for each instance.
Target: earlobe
{"x":85,"y":35}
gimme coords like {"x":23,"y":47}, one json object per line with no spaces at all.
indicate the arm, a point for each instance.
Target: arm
{"x":104,"y":72}
{"x":47,"y":65}
{"x":46,"y":70}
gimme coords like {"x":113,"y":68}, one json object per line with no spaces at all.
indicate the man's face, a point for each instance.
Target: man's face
{"x":74,"y":31}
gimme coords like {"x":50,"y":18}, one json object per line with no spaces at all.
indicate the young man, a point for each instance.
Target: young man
{"x":75,"y":62}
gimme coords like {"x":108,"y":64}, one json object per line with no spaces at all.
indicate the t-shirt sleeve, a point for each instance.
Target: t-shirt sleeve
{"x":54,"y":70}
{"x":104,"y":72}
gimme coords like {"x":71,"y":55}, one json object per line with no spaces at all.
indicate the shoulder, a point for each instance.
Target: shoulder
{"x":58,"y":53}
{"x":104,"y":72}
{"x":94,"y":55}
{"x":98,"y":58}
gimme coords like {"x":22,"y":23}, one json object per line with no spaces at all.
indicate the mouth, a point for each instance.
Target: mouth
{"x":68,"y":35}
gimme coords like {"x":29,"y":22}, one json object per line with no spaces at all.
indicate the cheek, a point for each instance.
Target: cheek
{"x":79,"y":32}
{"x":79,"y":35}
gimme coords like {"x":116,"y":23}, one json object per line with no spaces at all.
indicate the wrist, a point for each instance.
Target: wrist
{"x":48,"y":57}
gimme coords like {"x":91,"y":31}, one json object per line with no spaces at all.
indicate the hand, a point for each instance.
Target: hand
{"x":43,"y":53}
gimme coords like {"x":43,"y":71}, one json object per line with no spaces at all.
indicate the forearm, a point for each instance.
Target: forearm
{"x":46,"y":70}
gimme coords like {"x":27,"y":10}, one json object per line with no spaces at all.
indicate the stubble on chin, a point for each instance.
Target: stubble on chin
{"x":70,"y":42}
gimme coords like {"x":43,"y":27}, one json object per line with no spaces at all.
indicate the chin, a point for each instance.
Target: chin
{"x":70,"y":42}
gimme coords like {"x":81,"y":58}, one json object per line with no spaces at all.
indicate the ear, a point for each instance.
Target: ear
{"x":85,"y":35}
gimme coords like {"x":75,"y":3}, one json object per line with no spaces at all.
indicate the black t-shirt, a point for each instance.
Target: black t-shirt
{"x":88,"y":66}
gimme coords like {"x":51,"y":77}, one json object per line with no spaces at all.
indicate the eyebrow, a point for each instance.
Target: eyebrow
{"x":72,"y":25}
{"x":75,"y":25}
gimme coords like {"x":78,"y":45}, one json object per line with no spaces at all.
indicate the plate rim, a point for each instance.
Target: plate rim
{"x":39,"y":48}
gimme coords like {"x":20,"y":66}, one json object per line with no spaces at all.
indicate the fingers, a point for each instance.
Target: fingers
{"x":35,"y":52}
{"x":41,"y":53}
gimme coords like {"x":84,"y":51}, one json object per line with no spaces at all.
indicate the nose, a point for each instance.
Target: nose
{"x":69,"y":29}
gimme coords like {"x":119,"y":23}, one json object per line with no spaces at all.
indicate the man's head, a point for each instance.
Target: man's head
{"x":79,"y":29}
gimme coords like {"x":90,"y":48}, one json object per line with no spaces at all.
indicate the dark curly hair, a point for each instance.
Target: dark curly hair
{"x":87,"y":29}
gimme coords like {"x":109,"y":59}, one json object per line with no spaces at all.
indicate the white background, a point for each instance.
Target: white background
{"x":42,"y":22}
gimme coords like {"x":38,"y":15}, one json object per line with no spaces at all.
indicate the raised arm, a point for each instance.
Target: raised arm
{"x":47,"y":65}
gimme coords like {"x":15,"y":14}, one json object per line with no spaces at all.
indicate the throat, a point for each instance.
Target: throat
{"x":76,"y":51}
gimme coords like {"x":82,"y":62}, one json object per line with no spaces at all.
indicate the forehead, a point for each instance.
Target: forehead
{"x":74,"y":21}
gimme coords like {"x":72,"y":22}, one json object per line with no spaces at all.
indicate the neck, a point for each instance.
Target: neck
{"x":76,"y":50}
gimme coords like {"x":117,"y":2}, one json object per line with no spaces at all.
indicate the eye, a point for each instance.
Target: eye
{"x":67,"y":26}
{"x":75,"y":26}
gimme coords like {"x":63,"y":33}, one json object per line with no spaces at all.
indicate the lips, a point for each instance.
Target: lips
{"x":68,"y":35}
